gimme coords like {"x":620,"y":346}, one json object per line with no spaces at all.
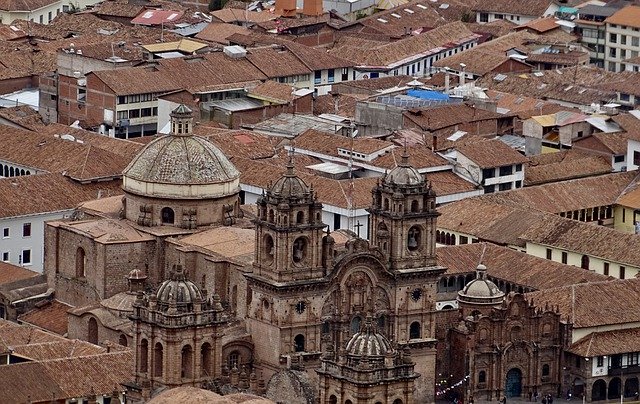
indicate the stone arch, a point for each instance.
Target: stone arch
{"x":187,"y":362}
{"x":299,"y":343}
{"x":300,"y":217}
{"x":122,"y":340}
{"x":158,"y":357}
{"x":144,"y":356}
{"x":415,"y":206}
{"x":615,"y":388}
{"x":299,"y":249}
{"x":206,"y":360}
{"x":397,"y":401}
{"x":167,"y":215}
{"x":333,"y":399}
{"x":631,"y":387}
{"x":81,"y":261}
{"x":92,"y":331}
{"x":599,"y":390}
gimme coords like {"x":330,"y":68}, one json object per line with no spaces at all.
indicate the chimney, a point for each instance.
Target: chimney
{"x":286,"y":8}
{"x":446,"y":80}
{"x":312,"y":8}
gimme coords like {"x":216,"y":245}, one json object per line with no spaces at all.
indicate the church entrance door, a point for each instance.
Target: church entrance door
{"x":513,"y":387}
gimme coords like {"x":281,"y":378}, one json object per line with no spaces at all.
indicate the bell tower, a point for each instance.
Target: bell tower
{"x":403,"y":217}
{"x":289,"y":231}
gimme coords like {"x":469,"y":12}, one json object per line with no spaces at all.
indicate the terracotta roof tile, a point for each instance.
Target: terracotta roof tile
{"x":565,"y":196}
{"x":534,"y":8}
{"x":432,"y":119}
{"x":39,"y":193}
{"x":11,"y":273}
{"x":232,"y":15}
{"x":329,"y":144}
{"x":581,"y":304}
{"x":118,"y":8}
{"x":273,"y":91}
{"x":219,"y":32}
{"x":24,"y":5}
{"x":540,"y":24}
{"x":583,"y":238}
{"x":513,"y":266}
{"x":492,"y":153}
{"x":602,"y":343}
{"x":564,"y":165}
{"x":50,"y":316}
{"x":628,"y":16}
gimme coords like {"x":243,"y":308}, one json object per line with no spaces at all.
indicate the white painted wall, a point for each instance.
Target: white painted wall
{"x":15,"y":244}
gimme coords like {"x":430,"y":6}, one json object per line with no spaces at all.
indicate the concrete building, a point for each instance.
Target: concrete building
{"x":622,"y":39}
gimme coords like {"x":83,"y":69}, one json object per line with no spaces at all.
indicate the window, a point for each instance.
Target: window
{"x":499,"y":16}
{"x":484,"y":17}
{"x":635,"y":41}
{"x":505,"y":187}
{"x":5,"y":256}
{"x":82,"y":95}
{"x":518,"y":184}
{"x":636,"y":158}
{"x":545,"y":370}
{"x":482,"y":377}
{"x":123,"y":115}
{"x":506,"y":170}
{"x":488,"y":173}
{"x":613,"y":38}
{"x":606,"y":268}
{"x":5,"y":232}
{"x":612,"y":52}
{"x":489,"y":189}
{"x":564,"y":257}
{"x":414,"y":330}
{"x":600,"y":361}
{"x":50,"y":16}
{"x":145,"y":97}
{"x":317,"y":78}
{"x":26,"y":230}
{"x":144,"y":112}
{"x":622,"y":270}
{"x":618,"y":159}
{"x":518,"y":167}
{"x":134,"y":113}
{"x":26,"y":257}
{"x":41,"y":19}
{"x":345,"y":74}
{"x":65,"y":8}
{"x":623,"y":39}
{"x":298,"y":343}
{"x":464,"y":240}
{"x":331,"y":75}
{"x":167,"y":215}
{"x":623,"y":97}
{"x":549,"y":253}
{"x":624,"y":214}
{"x":584,"y":262}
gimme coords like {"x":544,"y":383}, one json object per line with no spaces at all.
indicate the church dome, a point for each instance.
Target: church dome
{"x":289,"y":185}
{"x":166,"y":165}
{"x":178,"y":291}
{"x":404,"y":173}
{"x":481,"y":290}
{"x":368,"y":342}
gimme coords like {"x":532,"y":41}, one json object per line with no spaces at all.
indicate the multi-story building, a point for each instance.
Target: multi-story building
{"x":516,"y":12}
{"x":622,"y":39}
{"x":590,"y":27}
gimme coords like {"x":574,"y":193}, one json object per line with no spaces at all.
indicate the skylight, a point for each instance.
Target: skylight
{"x":382,"y":20}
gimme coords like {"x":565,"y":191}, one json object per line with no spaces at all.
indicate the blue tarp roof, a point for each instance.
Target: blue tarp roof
{"x":428,"y":94}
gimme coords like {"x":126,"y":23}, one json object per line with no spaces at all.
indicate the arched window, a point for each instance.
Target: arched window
{"x":300,"y":217}
{"x":187,"y":361}
{"x":299,"y":249}
{"x":482,"y":377}
{"x":438,"y":236}
{"x":585,"y":262}
{"x":298,"y":343}
{"x":545,"y":370}
{"x":414,"y":330}
{"x":92,"y":331}
{"x":28,"y":172}
{"x":397,"y":401}
{"x":269,"y":247}
{"x":386,"y":204}
{"x":333,"y":399}
{"x":11,"y":174}
{"x":414,"y":206}
{"x":234,"y":360}
{"x":6,"y":171}
{"x":453,"y":239}
{"x":122,"y":340}
{"x":144,"y":356}
{"x":167,"y":215}
{"x":22,"y":172}
{"x":205,"y":360}
{"x":81,"y":260}
{"x":157,"y":360}
{"x":348,"y":402}
{"x":271,"y":216}
{"x":326,"y":327}
{"x":413,"y":238}
{"x":356,"y":322}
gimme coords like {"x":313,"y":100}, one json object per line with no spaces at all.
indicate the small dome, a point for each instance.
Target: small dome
{"x":481,"y":290}
{"x":404,"y":173}
{"x":368,"y":342}
{"x":121,"y":303}
{"x":136,"y":274}
{"x":182,"y":160}
{"x":178,"y":291}
{"x":289,"y":185}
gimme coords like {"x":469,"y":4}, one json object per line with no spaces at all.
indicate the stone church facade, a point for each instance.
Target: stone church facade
{"x":141,"y":272}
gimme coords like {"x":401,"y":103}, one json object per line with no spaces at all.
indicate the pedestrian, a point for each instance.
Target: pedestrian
{"x":504,"y":400}
{"x":544,"y":400}
{"x":550,"y":399}
{"x":535,"y":396}
{"x":530,"y":395}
